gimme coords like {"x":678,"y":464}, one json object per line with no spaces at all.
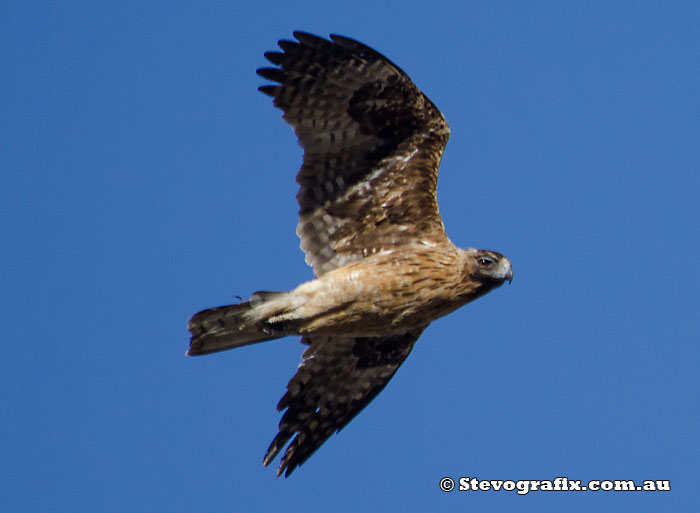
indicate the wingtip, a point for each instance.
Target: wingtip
{"x":339,"y":37}
{"x":269,"y":90}
{"x":267,"y":459}
{"x":301,"y":35}
{"x":274,"y":74}
{"x":276,"y":58}
{"x":281,"y":469}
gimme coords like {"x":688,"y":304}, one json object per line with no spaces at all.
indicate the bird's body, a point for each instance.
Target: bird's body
{"x":370,"y":227}
{"x":389,"y":292}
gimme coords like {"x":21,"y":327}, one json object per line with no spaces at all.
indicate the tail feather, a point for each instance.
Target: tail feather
{"x":223,"y":328}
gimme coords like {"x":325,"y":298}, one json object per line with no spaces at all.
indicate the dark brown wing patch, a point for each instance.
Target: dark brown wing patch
{"x":337,"y":378}
{"x":372,"y":147}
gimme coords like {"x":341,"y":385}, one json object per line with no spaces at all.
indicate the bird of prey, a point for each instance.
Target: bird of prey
{"x":369,"y":226}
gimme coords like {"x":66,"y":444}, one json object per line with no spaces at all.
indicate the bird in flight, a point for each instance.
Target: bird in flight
{"x":371,"y":230}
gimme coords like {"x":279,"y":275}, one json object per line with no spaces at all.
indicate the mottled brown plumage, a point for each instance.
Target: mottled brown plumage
{"x":370,"y":227}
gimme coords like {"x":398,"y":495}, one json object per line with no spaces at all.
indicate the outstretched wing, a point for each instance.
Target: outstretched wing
{"x":372,"y":148}
{"x":337,"y":378}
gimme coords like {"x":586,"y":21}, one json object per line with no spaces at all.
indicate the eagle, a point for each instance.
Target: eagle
{"x":371,"y":230}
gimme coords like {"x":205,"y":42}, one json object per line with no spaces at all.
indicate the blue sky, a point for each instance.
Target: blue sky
{"x":144,"y":178}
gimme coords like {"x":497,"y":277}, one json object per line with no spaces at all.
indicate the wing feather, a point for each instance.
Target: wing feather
{"x":337,"y":378}
{"x":372,"y":148}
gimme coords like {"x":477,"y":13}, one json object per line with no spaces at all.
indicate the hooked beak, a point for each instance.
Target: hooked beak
{"x":508,"y":272}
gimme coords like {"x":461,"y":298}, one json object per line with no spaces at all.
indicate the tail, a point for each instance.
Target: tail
{"x":232,"y":326}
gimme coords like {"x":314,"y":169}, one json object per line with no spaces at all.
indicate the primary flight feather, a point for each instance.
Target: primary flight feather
{"x":369,"y":226}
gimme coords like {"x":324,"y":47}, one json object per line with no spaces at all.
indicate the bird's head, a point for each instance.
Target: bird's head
{"x":488,"y":267}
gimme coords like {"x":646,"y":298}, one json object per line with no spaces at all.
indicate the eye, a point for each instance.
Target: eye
{"x":485,"y":261}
